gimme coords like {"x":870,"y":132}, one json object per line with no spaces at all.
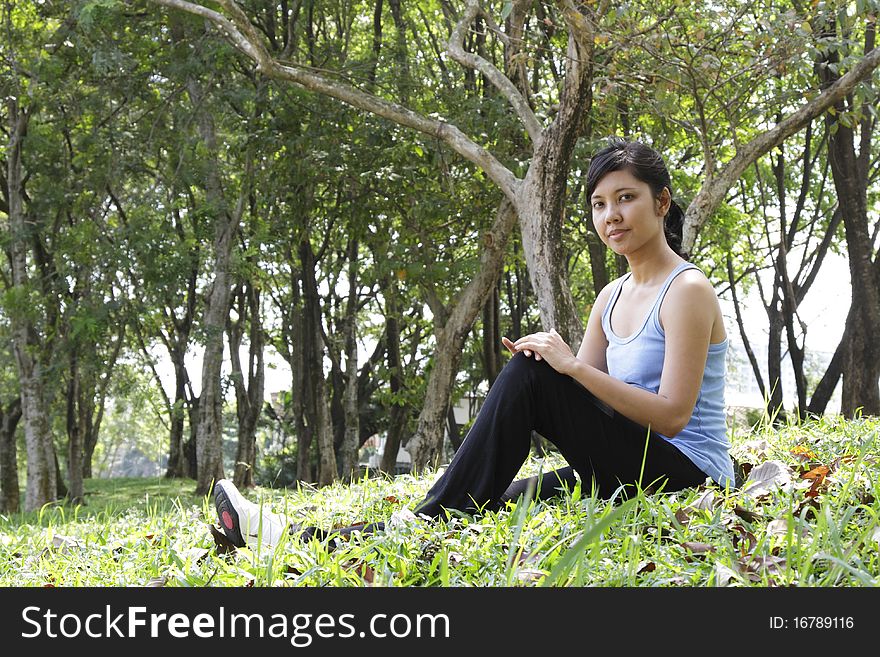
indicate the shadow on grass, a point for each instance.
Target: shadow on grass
{"x":150,"y":495}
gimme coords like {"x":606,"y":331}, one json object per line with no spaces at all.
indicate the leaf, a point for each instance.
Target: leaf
{"x":705,"y":502}
{"x":646,"y":567}
{"x":816,"y":473}
{"x":780,"y":527}
{"x":875,"y":536}
{"x":745,"y":514}
{"x":682,"y":517}
{"x":723,"y":574}
{"x":767,"y":477}
{"x":156,"y":582}
{"x":804,"y":453}
{"x":65,"y":543}
{"x":698,"y":548}
{"x":224,"y":545}
{"x":506,"y":9}
{"x":769,"y":564}
{"x":747,"y":538}
{"x":760,"y":449}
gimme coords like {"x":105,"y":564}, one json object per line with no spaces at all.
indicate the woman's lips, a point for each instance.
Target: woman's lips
{"x":616,"y":234}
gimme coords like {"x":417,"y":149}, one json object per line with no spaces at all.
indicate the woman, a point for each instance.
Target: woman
{"x":642,"y":402}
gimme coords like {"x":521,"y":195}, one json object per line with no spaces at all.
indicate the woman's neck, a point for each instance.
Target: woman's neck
{"x":654,"y":266}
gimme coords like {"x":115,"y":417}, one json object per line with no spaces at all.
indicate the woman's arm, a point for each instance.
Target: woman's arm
{"x":688,"y":314}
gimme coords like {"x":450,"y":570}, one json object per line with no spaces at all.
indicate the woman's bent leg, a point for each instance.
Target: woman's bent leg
{"x":499,"y":441}
{"x":542,"y":487}
{"x":606,"y":449}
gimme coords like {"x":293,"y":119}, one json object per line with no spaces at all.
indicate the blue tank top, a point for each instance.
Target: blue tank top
{"x":638,"y":360}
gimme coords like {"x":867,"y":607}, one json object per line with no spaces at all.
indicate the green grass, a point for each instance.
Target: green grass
{"x":136,"y":532}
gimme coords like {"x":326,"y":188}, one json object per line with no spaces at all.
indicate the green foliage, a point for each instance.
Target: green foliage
{"x":799,"y":533}
{"x":116,"y":165}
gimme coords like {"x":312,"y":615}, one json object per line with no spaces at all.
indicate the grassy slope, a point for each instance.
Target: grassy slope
{"x":820,"y":531}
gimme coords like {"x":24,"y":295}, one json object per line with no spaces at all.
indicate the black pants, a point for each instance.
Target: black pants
{"x":606,"y":449}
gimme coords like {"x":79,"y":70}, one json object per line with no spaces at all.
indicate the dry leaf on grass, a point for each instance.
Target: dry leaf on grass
{"x":698,"y":548}
{"x":746,"y":514}
{"x":62,"y":544}
{"x":723,"y":575}
{"x":682,"y":517}
{"x":780,"y":527}
{"x":760,"y":449}
{"x":705,"y":502}
{"x":224,"y":545}
{"x":803,"y":453}
{"x":767,"y":477}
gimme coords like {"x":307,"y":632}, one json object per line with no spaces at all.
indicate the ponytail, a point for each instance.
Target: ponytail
{"x":673,"y":226}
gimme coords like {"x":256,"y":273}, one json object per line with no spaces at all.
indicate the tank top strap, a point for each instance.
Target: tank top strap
{"x":606,"y":313}
{"x":655,"y":311}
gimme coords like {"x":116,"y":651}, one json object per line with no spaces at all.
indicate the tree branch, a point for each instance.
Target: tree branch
{"x":456,"y":50}
{"x":239,"y":31}
{"x":713,"y":192}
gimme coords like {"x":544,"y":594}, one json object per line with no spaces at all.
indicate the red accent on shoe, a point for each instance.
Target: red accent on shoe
{"x":227,"y":520}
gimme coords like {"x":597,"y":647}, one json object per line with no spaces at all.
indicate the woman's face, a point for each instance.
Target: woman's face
{"x":625,"y":213}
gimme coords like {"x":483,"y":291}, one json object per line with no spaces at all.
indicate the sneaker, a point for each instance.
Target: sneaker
{"x":243,"y":522}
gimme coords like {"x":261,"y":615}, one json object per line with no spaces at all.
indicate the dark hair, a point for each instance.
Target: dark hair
{"x":647,"y":165}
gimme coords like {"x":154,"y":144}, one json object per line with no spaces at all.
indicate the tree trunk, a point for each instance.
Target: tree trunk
{"x":178,"y":463}
{"x":425,"y":446}
{"x":41,"y":482}
{"x":209,"y":435}
{"x":93,"y":411}
{"x":492,"y":335}
{"x":348,"y":450}
{"x":774,"y":361}
{"x":397,"y":414}
{"x":542,"y":197}
{"x":75,"y":432}
{"x":453,"y":428}
{"x":598,"y":268}
{"x":9,"y":493}
{"x":828,"y":383}
{"x":861,"y":360}
{"x":292,"y":347}
{"x":249,"y":397}
{"x":317,"y":403}
{"x":750,"y":353}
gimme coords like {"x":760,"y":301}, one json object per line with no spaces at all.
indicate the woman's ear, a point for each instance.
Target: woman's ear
{"x":664,"y":202}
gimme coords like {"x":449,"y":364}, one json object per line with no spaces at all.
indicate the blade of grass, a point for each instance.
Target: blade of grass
{"x":568,"y":560}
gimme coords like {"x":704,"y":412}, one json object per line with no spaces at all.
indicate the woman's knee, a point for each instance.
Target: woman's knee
{"x":524,"y":363}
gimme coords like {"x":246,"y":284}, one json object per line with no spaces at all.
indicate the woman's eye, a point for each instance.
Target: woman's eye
{"x":597,"y":204}
{"x":625,"y":197}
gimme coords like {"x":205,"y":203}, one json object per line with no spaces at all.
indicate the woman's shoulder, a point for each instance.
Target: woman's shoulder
{"x":690,"y":293}
{"x":692,"y":281}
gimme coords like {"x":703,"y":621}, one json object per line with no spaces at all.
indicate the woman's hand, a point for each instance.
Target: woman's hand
{"x":547,"y":346}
